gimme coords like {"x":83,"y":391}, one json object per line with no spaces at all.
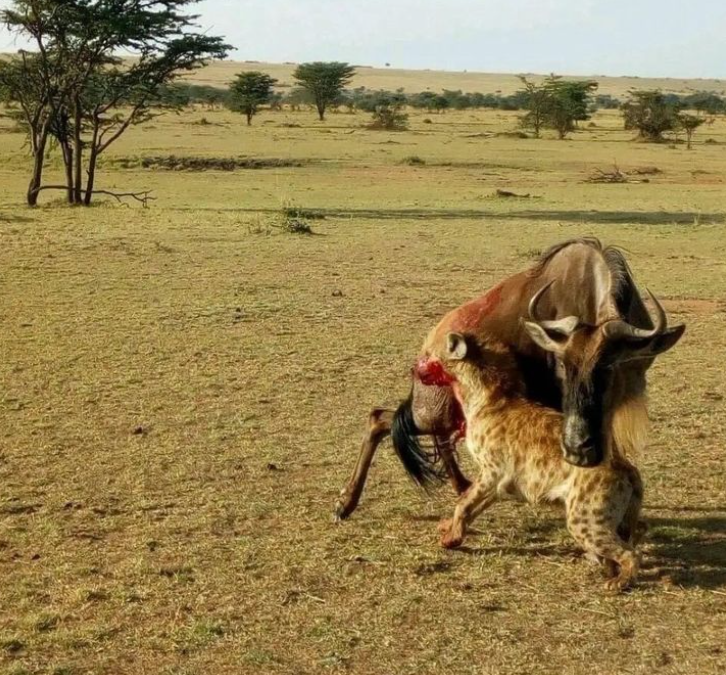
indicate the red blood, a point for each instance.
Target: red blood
{"x":460,"y":419}
{"x":461,"y":431}
{"x":430,"y":372}
{"x":469,"y":316}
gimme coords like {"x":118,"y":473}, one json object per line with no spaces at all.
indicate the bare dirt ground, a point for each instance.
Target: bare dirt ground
{"x":183,"y":391}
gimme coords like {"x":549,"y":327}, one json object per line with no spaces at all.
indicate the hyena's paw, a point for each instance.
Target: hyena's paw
{"x":617,"y":585}
{"x":451,"y":537}
{"x":444,"y":525}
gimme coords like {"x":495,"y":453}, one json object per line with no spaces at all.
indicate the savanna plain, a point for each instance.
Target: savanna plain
{"x":184,"y":389}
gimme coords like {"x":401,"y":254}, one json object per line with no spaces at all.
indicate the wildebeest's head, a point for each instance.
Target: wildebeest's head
{"x":588,"y":355}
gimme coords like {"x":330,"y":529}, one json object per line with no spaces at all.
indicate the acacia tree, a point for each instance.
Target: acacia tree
{"x":689,"y":124}
{"x":249,"y":91}
{"x":324,"y":81}
{"x":22,"y":83}
{"x":568,"y":103}
{"x":87,"y":96}
{"x":651,"y":113}
{"x":536,"y":99}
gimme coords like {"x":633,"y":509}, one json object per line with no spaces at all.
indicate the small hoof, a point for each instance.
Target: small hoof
{"x":342,"y":509}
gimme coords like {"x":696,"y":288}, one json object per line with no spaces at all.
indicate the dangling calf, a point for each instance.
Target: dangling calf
{"x":516,"y":444}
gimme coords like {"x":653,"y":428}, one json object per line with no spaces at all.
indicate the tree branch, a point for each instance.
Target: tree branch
{"x":143,"y":196}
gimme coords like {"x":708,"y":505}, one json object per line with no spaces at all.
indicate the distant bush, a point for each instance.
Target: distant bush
{"x":183,"y":163}
{"x":296,"y":226}
{"x":607,"y":102}
{"x":294,"y":220}
{"x":413,"y":160}
{"x":388,"y":114}
{"x":651,"y":113}
{"x":301,"y":214}
{"x":184,"y":94}
{"x":364,"y":99}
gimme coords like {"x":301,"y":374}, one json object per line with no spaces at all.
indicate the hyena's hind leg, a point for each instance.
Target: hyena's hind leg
{"x":632,"y":529}
{"x":594,"y":524}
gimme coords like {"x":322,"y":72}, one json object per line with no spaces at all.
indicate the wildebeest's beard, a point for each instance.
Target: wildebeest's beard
{"x":584,"y":404}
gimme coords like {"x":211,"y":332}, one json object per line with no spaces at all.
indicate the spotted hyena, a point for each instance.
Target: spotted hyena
{"x":516,"y":444}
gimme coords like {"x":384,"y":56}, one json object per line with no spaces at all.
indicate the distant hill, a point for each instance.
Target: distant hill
{"x":221,"y":73}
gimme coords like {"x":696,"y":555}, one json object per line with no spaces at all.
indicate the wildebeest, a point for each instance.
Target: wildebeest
{"x":516,"y":445}
{"x":584,"y":279}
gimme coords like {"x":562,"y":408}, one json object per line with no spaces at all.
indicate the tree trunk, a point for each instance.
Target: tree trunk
{"x":37,"y":176}
{"x":68,"y":164}
{"x":321,"y":110}
{"x":91,"y":177}
{"x":77,"y":152}
{"x":249,"y":118}
{"x":92,"y":160}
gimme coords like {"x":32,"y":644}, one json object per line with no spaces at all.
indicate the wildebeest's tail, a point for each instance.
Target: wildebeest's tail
{"x":419,"y":464}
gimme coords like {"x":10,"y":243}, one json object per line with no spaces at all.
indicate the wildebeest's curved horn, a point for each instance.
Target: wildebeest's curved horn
{"x":615,"y":330}
{"x":564,"y":326}
{"x":535,"y":301}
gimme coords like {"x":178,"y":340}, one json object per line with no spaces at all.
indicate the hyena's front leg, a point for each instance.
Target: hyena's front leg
{"x":481,"y":495}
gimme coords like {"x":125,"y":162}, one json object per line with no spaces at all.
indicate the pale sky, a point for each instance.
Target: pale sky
{"x":649,"y":38}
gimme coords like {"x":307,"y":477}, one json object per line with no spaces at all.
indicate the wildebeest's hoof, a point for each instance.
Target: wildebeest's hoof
{"x":344,"y":506}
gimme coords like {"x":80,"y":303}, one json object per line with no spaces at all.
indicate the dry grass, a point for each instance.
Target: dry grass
{"x":184,"y":390}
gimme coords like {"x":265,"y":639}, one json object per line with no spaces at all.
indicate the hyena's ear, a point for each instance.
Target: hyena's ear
{"x":456,"y":346}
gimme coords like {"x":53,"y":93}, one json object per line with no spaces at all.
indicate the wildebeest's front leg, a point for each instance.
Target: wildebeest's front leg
{"x":380,"y":422}
{"x":379,"y":426}
{"x":447,"y":450}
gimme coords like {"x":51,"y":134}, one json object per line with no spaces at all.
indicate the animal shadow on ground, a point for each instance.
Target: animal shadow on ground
{"x":687,"y":549}
{"x":8,"y":218}
{"x":536,"y":539}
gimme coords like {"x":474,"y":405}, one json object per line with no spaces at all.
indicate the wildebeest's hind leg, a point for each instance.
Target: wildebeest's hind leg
{"x":379,"y":426}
